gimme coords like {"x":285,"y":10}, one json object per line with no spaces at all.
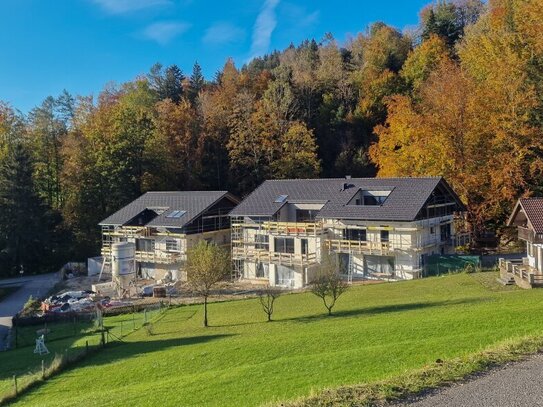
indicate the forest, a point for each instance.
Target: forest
{"x":460,"y":96}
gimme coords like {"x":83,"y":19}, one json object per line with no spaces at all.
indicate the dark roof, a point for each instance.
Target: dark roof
{"x":533,"y":209}
{"x":194,"y":203}
{"x":407,"y":197}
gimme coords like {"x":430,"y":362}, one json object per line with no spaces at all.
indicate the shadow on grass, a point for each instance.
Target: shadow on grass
{"x":119,"y":351}
{"x":369,"y":311}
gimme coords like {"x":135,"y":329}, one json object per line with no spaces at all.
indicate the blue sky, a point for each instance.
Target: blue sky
{"x":80,"y":45}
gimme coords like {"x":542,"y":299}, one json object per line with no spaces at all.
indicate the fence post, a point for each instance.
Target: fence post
{"x":42,"y":369}
{"x":121,"y":328}
{"x":15,"y":385}
{"x":134,"y":318}
{"x":86,"y":347}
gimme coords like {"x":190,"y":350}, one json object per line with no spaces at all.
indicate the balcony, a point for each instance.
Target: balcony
{"x":529,"y":235}
{"x":128,"y":231}
{"x":159,"y":257}
{"x":265,"y":256}
{"x":358,"y":247}
{"x":293,"y":228}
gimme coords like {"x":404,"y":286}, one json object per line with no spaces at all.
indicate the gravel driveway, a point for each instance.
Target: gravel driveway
{"x":515,"y":385}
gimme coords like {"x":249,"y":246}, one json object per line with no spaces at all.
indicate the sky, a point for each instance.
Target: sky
{"x":81,"y":45}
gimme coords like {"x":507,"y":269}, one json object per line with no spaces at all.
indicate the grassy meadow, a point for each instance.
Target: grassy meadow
{"x":378,"y":332}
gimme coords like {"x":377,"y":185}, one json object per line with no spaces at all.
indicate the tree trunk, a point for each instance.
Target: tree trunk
{"x":329,"y":311}
{"x":205,"y":311}
{"x":269,"y":317}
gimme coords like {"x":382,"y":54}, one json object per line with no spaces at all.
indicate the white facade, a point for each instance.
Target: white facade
{"x":288,"y":253}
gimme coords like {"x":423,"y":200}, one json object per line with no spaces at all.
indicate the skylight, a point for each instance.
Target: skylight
{"x":281,"y":199}
{"x":176,"y":214}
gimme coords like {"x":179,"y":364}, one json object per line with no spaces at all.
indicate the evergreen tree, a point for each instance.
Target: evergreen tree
{"x":26,"y":224}
{"x":196,"y":82}
{"x":167,"y":83}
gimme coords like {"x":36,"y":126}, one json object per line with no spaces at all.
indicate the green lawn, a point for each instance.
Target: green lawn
{"x":379,"y":331}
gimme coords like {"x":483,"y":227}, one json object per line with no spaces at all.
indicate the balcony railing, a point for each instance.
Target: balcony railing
{"x":293,"y":228}
{"x":521,"y":269}
{"x":129,"y":231}
{"x":157,"y":256}
{"x":529,"y":235}
{"x":265,"y":256}
{"x":358,"y":247}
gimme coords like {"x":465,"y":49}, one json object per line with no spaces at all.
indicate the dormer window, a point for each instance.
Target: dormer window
{"x":370,"y":198}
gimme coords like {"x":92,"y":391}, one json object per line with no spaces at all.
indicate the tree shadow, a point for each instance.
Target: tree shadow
{"x":370,"y":311}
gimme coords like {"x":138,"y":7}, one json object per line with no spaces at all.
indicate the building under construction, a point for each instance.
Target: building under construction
{"x":160,"y":227}
{"x":376,"y":228}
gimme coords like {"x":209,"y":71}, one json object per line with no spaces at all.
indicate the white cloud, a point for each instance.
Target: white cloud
{"x":127,"y":6}
{"x":264,"y":25}
{"x":164,"y":32}
{"x":223,"y":33}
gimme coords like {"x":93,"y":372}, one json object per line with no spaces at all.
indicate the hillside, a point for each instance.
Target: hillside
{"x":379,"y":331}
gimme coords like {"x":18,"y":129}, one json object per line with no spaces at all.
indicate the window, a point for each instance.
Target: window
{"x":384,"y":236}
{"x":172,"y":245}
{"x":262,"y":242}
{"x":176,"y":214}
{"x":358,"y":235}
{"x":432,"y":230}
{"x":145,"y":245}
{"x":370,"y":198}
{"x":445,"y":231}
{"x":374,"y":200}
{"x":304,"y":246}
{"x":281,"y":199}
{"x":305,"y":215}
{"x":284,"y":245}
{"x":284,"y":276}
{"x":262,"y":270}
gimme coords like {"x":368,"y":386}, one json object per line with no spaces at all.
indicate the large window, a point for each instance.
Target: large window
{"x":358,"y":235}
{"x":284,"y":276}
{"x":445,"y":231}
{"x":284,"y":245}
{"x":145,"y":245}
{"x":262,"y":242}
{"x":384,"y":236}
{"x":304,"y":246}
{"x":172,"y":245}
{"x":262,"y":270}
{"x":305,"y":215}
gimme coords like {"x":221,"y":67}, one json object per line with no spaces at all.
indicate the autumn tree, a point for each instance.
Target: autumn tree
{"x":297,"y":155}
{"x":207,"y":265}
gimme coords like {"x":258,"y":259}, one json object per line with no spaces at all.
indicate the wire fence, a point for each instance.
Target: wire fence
{"x":71,"y":338}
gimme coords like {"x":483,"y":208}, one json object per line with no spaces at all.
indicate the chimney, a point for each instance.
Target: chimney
{"x":347,"y":177}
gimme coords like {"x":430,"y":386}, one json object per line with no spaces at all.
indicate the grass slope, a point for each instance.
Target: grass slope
{"x":379,"y":331}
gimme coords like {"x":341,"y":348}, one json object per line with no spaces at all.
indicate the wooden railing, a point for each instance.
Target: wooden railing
{"x":156,"y":256}
{"x":293,"y":228}
{"x":521,"y":269}
{"x":129,"y":231}
{"x":265,"y":256}
{"x":358,"y":247}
